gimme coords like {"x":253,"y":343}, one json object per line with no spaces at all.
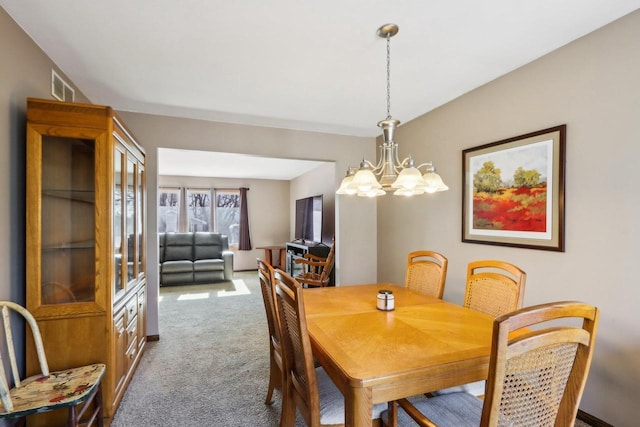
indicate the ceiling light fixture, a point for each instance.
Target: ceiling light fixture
{"x":390,"y":173}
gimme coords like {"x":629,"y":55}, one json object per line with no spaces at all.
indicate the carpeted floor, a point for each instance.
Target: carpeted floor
{"x":211,"y":364}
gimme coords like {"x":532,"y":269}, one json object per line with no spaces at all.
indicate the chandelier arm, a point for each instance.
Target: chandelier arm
{"x":399,"y":165}
{"x":425,"y":164}
{"x":371,"y":165}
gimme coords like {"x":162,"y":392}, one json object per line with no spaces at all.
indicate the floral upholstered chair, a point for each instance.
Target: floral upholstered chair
{"x":75,"y":388}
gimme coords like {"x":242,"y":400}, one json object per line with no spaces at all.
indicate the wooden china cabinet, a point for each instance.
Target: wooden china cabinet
{"x":86,"y":210}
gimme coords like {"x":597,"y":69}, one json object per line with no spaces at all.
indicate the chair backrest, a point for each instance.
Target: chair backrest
{"x":296,"y":348}
{"x":267,"y":286}
{"x":537,"y":376}
{"x":494,"y":287}
{"x":426,"y":272}
{"x":7,"y":308}
{"x":328,"y":265}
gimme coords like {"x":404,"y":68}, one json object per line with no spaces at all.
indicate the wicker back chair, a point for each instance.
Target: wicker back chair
{"x":306,"y":387}
{"x":536,"y":375}
{"x":426,"y":273}
{"x":267,"y":286}
{"x":302,"y":380}
{"x":77,"y":389}
{"x":316,"y":271}
{"x":494,"y":287}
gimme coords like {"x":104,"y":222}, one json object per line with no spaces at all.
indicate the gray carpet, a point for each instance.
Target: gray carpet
{"x":211,"y":364}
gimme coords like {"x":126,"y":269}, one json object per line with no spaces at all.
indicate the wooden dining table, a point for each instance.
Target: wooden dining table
{"x":376,"y":356}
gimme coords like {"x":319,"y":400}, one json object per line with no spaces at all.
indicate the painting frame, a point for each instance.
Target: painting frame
{"x":527,"y":208}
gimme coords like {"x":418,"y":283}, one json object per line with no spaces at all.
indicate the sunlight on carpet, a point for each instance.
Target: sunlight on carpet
{"x":194,"y":296}
{"x":240,"y":289}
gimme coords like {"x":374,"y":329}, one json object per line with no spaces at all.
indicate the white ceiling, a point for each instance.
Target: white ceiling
{"x":310,"y":65}
{"x":229,"y":165}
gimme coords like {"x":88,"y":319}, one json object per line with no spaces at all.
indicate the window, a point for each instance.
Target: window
{"x":169,"y":210}
{"x":198,"y":209}
{"x":227,"y":214}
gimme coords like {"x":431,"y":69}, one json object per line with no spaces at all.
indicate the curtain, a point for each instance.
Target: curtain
{"x":244,"y":243}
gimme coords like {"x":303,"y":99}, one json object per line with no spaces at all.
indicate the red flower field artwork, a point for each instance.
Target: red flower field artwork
{"x":511,"y":209}
{"x":513,"y":191}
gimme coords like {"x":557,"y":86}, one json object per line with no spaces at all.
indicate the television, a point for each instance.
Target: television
{"x":308,"y":225}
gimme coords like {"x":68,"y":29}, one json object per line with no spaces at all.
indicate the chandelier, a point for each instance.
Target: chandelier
{"x":390,"y":174}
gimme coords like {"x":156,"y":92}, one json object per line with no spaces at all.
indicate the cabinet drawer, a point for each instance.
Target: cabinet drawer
{"x":131,"y":310}
{"x":132,"y":352}
{"x":132,"y":331}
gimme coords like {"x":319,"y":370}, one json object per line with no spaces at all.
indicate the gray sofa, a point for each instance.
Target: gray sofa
{"x":200,"y":257}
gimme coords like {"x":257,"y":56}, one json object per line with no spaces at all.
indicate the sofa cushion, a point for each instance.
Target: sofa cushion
{"x":208,"y":265}
{"x":177,"y":267}
{"x":178,"y":247}
{"x":162,"y":237}
{"x":177,"y":278}
{"x":208,"y":245}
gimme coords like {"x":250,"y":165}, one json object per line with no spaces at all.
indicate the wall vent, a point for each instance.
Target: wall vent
{"x":60,"y":89}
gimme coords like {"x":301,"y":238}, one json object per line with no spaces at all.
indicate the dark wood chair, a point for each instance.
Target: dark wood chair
{"x":316,"y":271}
{"x":307,"y":387}
{"x":76,"y":388}
{"x":267,"y":286}
{"x":426,"y":273}
{"x":538,"y":368}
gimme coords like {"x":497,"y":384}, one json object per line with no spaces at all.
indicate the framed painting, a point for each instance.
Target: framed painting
{"x":513,"y":191}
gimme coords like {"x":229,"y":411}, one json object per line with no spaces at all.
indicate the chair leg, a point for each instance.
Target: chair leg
{"x":288,"y":412}
{"x":275,"y":379}
{"x":100,"y":412}
{"x":75,"y":415}
{"x":393,"y":414}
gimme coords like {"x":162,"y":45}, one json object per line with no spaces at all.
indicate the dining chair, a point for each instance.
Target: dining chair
{"x":76,"y":388}
{"x":267,"y":286}
{"x":494,"y":287}
{"x":426,"y":272}
{"x":307,"y":388}
{"x":316,"y":271}
{"x":536,"y":375}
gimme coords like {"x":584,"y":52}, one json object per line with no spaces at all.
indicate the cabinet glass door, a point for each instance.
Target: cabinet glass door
{"x":118,"y":204}
{"x":140,"y":215}
{"x":130,"y":220}
{"x":68,"y":220}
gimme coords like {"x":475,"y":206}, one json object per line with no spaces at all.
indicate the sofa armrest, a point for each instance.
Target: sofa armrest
{"x":227,"y":257}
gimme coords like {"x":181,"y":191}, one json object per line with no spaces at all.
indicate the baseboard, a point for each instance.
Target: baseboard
{"x":153,"y":337}
{"x":591,"y":420}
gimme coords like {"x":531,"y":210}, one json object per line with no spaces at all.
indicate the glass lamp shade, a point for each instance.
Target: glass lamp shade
{"x":409,"y":192}
{"x":372,"y":193}
{"x":434,"y":183}
{"x":346,"y":186}
{"x":409,"y":179}
{"x":365,"y":181}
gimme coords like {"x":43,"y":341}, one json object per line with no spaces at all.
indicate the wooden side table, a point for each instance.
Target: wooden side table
{"x":268,"y":256}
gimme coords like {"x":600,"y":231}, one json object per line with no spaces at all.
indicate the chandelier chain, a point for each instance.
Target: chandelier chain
{"x":388,"y":76}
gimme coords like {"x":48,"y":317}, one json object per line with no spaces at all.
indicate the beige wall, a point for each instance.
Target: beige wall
{"x":268,"y":224}
{"x":592,"y":85}
{"x":358,"y":251}
{"x":25,"y":71}
{"x":319,"y":181}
